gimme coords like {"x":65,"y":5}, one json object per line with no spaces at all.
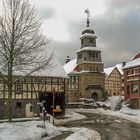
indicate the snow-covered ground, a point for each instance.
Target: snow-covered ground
{"x":38,"y":130}
{"x":83,"y":134}
{"x":125,"y":113}
{"x":29,"y":130}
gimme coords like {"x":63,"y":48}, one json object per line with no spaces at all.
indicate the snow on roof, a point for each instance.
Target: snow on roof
{"x":53,"y":69}
{"x":70,"y":66}
{"x":88,"y":35}
{"x":108,"y":70}
{"x":88,"y":28}
{"x":132,"y":63}
{"x":91,"y":62}
{"x":88,"y":48}
{"x":119,"y":67}
{"x":135,"y":57}
{"x":56,"y":70}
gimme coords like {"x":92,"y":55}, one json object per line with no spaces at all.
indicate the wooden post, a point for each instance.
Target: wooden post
{"x":53,"y":103}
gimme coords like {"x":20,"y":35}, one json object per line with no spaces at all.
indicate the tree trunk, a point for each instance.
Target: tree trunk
{"x":10,"y":103}
{"x":10,"y":84}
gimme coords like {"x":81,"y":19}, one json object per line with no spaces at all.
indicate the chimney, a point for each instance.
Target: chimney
{"x":67,"y":59}
{"x":123,"y":64}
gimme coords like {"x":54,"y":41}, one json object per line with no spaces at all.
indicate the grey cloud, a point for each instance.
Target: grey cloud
{"x":118,"y":36}
{"x":47,"y":13}
{"x":122,"y":3}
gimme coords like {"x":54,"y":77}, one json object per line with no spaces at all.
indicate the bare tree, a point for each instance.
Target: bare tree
{"x":22,"y":44}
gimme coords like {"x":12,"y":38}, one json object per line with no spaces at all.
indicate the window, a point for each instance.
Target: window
{"x":91,"y":40}
{"x":85,"y":58}
{"x":93,"y":54}
{"x":82,"y":41}
{"x":31,"y":108}
{"x":18,"y":105}
{"x":18,"y":88}
{"x":134,"y":88}
{"x":96,"y":55}
{"x":90,"y":68}
{"x":97,"y":69}
{"x":90,"y":54}
{"x":79,"y":56}
{"x":132,"y":72}
{"x":73,"y":82}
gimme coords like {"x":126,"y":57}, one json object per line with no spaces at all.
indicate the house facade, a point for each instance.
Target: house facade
{"x":86,"y":75}
{"x":114,"y":81}
{"x":132,"y":81}
{"x":45,"y":87}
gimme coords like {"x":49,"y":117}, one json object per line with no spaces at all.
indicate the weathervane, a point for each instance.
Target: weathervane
{"x":88,"y":15}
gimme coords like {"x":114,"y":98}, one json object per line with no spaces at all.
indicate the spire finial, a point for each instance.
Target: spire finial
{"x":88,"y":15}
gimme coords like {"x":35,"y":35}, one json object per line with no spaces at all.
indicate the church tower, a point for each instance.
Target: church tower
{"x":89,"y":64}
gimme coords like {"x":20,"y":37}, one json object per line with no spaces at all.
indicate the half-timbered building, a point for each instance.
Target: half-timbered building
{"x":114,"y":84}
{"x":47,"y":86}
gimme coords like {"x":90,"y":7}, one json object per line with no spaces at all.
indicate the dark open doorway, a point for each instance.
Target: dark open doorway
{"x":59,"y":102}
{"x":94,"y":96}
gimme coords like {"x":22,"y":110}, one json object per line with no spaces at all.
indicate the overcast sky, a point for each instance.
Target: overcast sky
{"x":115,"y":22}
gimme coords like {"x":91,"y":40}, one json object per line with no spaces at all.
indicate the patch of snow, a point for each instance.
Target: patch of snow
{"x":129,"y":111}
{"x":111,"y":102}
{"x":27,"y":130}
{"x":84,"y":134}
